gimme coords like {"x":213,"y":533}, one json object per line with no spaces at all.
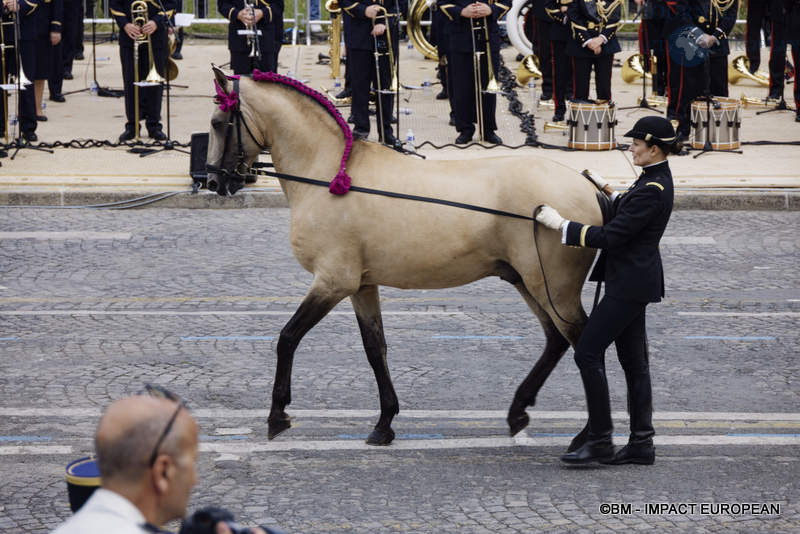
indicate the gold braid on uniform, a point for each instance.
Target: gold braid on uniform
{"x":606,"y":11}
{"x":722,"y":6}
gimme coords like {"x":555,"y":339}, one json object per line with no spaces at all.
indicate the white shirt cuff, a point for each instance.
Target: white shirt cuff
{"x":613,"y":196}
{"x":564,"y":232}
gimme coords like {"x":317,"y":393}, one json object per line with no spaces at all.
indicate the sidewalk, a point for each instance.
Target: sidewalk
{"x":763,"y":177}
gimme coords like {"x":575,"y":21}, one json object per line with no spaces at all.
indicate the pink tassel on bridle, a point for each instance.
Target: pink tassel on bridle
{"x":227,"y":101}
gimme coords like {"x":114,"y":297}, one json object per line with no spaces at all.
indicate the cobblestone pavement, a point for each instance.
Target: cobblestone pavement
{"x":194,"y":300}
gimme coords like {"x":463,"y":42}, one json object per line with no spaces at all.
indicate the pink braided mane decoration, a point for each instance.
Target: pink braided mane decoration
{"x":341,"y":182}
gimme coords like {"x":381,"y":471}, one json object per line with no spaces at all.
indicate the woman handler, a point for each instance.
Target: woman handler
{"x":631,"y":266}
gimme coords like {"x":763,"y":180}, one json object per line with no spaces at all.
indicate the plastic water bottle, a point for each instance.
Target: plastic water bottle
{"x":93,"y":88}
{"x":44,"y":105}
{"x":12,"y":119}
{"x":426,"y":87}
{"x":337,"y":86}
{"x":409,"y":144}
{"x":534,"y":95}
{"x":406,"y":111}
{"x":410,"y":45}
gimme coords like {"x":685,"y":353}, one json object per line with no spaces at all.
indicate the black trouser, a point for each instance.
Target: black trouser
{"x":362,"y":71}
{"x":653,"y":30}
{"x":777,"y":57}
{"x":689,"y":83}
{"x":242,"y":63}
{"x":149,"y":97}
{"x":756,"y":10}
{"x":444,"y":77}
{"x":541,"y":45}
{"x":582,"y":72}
{"x":464,"y":99}
{"x":622,"y":322}
{"x":30,"y":59}
{"x":562,"y":75}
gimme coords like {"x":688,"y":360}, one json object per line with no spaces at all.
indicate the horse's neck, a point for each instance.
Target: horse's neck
{"x":304,"y":139}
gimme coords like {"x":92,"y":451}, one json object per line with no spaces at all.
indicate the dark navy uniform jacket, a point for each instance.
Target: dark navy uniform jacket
{"x":39,"y":18}
{"x":460,"y":32}
{"x":705,"y":15}
{"x":630,"y":263}
{"x":357,"y":26}
{"x":121,"y":11}
{"x":560,"y":29}
{"x":590,"y":19}
{"x":230,"y":9}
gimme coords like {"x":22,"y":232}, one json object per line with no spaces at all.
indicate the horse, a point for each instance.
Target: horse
{"x":355,"y":242}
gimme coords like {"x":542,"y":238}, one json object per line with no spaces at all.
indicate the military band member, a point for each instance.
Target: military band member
{"x":562,"y":64}
{"x":7,"y":10}
{"x":778,"y":11}
{"x":652,"y":42}
{"x":716,"y":19}
{"x":40,"y":30}
{"x":64,"y":52}
{"x":792,"y":17}
{"x":242,"y":17}
{"x":461,"y":55}
{"x":365,"y":28}
{"x":630,"y":265}
{"x":149,"y":97}
{"x":439,"y":38}
{"x":594,"y":42}
{"x":543,"y":24}
{"x":756,"y":13}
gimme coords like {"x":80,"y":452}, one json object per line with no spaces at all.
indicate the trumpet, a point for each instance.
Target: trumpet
{"x":335,"y":36}
{"x":252,"y":33}
{"x":555,"y":126}
{"x":393,"y":85}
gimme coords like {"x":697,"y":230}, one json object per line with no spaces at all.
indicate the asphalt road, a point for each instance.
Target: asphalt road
{"x":93,"y":304}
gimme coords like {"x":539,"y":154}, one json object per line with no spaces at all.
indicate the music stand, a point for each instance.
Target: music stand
{"x":781,"y":106}
{"x":101,"y":91}
{"x":643,"y":103}
{"x":168,"y":144}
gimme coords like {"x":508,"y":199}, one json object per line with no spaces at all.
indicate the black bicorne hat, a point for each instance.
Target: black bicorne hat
{"x":653,"y":128}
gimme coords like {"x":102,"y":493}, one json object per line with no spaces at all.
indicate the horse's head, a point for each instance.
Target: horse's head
{"x":231,"y":145}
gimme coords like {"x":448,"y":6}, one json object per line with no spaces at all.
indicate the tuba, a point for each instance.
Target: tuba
{"x":335,"y":36}
{"x":528,"y":68}
{"x":416,"y":14}
{"x":740,"y":68}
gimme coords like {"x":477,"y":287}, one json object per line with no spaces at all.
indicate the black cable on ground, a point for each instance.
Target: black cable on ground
{"x":98,"y":143}
{"x":119,"y":205}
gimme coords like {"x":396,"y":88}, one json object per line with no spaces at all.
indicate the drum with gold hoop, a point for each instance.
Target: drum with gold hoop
{"x":591,"y":126}
{"x":726,"y":119}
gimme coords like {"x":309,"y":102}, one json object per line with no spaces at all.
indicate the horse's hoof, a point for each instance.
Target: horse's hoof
{"x":517,"y":423}
{"x":278,"y":426}
{"x":380,"y":437}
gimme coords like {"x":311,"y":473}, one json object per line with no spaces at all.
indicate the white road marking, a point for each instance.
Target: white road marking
{"x":740,"y":314}
{"x":225,"y":414}
{"x":202,"y":313}
{"x":66,"y":235}
{"x":35,"y":449}
{"x":688,"y":240}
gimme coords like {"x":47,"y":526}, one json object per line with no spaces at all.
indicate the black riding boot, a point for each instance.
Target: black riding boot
{"x":640,"y":449}
{"x":598,"y":446}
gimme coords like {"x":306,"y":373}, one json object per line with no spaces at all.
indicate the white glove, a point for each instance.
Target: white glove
{"x":550,"y":218}
{"x":599,"y":181}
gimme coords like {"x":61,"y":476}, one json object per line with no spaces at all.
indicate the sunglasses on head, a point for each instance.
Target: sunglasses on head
{"x":163,"y":393}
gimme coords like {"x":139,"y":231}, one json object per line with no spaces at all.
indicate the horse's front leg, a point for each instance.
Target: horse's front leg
{"x":366,"y":304}
{"x":314,"y":307}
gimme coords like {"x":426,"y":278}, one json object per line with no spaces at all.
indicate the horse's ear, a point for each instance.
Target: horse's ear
{"x":222,"y":79}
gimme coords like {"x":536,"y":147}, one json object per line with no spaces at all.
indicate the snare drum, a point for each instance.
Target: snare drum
{"x":591,"y":126}
{"x":725,"y":123}
{"x":83,"y":477}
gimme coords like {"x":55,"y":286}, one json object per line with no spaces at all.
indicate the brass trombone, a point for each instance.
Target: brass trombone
{"x":20,"y":80}
{"x":492,"y":86}
{"x":393,"y":85}
{"x":335,"y":36}
{"x":139,"y":17}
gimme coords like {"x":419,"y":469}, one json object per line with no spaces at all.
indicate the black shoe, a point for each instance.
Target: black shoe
{"x":344,"y":93}
{"x":463,"y":138}
{"x":493,"y":138}
{"x":157,"y":134}
{"x":775,"y":95}
{"x":452,"y":121}
{"x":30,"y":136}
{"x":547,"y":97}
{"x":579,"y":440}
{"x":598,"y":446}
{"x":797,"y":118}
{"x":127,"y":135}
{"x":177,"y":55}
{"x":592,"y":451}
{"x":558,"y":117}
{"x":360,"y":134}
{"x":3,"y":153}
{"x":58,"y":97}
{"x":643,"y":454}
{"x":390,"y":140}
{"x":79,"y":56}
{"x":394,"y":119}
{"x":442,"y":95}
{"x":41,"y":118}
{"x":68,"y":76}
{"x":350,"y":119}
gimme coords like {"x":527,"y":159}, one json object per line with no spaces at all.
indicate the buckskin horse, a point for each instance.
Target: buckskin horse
{"x":355,"y":242}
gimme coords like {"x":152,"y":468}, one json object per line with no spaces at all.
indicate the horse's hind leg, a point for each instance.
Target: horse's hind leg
{"x":555,"y":346}
{"x":314,"y":307}
{"x":368,"y":312}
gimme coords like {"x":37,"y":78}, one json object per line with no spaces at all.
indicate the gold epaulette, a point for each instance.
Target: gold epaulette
{"x":655,"y":184}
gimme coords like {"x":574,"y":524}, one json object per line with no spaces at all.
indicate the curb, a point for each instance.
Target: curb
{"x":771,"y":200}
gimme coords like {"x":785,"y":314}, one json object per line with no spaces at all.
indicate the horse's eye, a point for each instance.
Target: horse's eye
{"x":216,"y":124}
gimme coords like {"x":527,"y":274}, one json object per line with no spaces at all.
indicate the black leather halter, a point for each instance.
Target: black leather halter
{"x":240,"y":170}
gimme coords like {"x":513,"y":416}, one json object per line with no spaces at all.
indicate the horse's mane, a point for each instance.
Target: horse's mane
{"x":341,"y":182}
